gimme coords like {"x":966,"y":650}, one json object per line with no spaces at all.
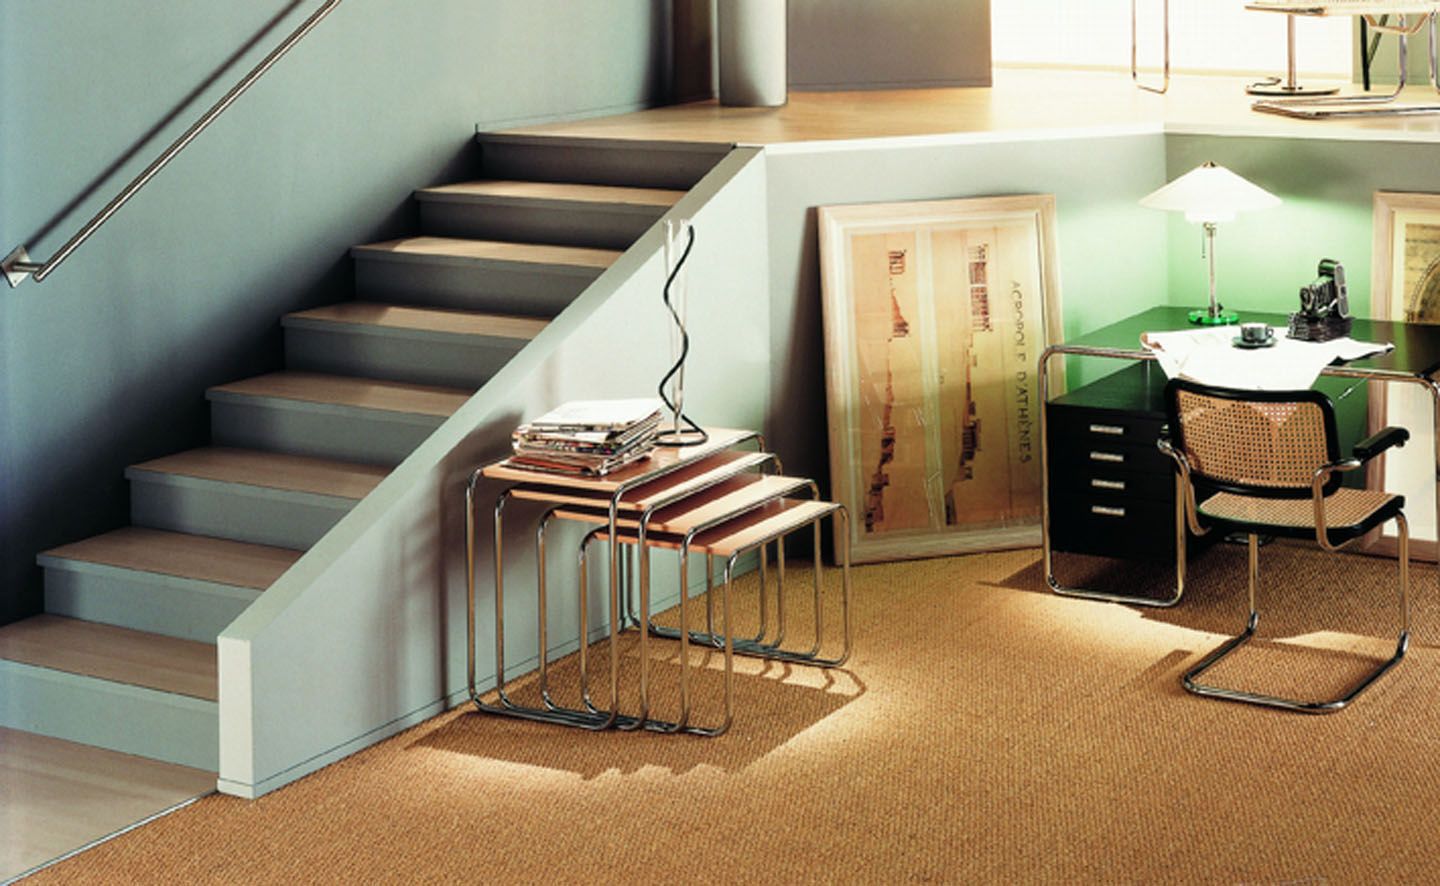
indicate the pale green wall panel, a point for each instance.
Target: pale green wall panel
{"x":1327,"y":189}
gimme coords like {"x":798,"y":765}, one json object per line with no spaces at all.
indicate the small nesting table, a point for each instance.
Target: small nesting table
{"x":717,"y":499}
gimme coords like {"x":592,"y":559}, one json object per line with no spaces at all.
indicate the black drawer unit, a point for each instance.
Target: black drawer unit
{"x":1112,"y":492}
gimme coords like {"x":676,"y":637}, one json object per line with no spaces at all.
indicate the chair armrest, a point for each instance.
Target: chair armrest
{"x":1185,"y":489}
{"x":1380,"y":441}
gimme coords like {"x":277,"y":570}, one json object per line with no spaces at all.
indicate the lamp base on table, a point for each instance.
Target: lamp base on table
{"x":1203,"y":317}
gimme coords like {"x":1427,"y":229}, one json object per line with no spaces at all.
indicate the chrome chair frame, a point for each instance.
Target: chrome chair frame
{"x":1320,"y":479}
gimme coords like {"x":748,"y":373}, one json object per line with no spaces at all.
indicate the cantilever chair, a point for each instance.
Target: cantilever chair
{"x":1268,"y":463}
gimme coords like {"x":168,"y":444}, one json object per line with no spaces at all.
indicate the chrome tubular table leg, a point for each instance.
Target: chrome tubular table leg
{"x":1045,"y":535}
{"x":758,"y":646}
{"x":551,"y":713}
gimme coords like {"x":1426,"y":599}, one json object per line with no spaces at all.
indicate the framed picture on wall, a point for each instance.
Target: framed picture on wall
{"x":1405,"y":285}
{"x":936,"y":314}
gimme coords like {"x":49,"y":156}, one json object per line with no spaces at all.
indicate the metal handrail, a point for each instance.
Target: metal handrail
{"x":18,"y":265}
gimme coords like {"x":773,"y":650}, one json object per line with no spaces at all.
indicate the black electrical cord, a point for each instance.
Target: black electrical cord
{"x":696,"y":435}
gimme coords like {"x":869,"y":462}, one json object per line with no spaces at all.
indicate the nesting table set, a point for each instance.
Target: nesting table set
{"x":724,"y":498}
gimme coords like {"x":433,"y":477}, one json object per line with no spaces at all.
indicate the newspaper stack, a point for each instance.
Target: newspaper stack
{"x":588,"y":438}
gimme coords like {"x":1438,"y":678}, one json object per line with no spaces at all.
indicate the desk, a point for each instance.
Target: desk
{"x":1415,"y":359}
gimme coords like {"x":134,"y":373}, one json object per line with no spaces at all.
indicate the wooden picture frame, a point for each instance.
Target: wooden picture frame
{"x":1405,"y":285}
{"x":936,"y":314}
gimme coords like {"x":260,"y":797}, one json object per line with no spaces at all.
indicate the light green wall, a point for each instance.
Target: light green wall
{"x":1327,"y":189}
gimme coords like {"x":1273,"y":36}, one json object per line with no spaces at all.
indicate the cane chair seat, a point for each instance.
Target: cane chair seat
{"x":1349,"y":513}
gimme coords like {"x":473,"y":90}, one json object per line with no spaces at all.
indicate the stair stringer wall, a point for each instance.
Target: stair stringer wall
{"x":365,"y":635}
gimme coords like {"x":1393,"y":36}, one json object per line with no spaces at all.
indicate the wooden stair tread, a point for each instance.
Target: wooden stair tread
{"x":345,"y":390}
{"x":273,"y":470}
{"x":401,"y":317}
{"x":69,"y":794}
{"x":120,"y":655}
{"x":200,"y":557}
{"x":561,"y":192}
{"x":494,"y":250}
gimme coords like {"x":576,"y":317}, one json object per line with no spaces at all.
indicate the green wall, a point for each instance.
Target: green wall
{"x":1326,"y":188}
{"x":106,"y":362}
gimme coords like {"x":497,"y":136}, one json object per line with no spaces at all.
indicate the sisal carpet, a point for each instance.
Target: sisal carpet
{"x":984,"y":730}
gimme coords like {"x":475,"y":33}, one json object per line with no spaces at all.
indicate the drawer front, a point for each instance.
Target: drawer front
{"x":1101,"y":479}
{"x":1112,"y":526}
{"x":1102,"y":427}
{"x":1072,"y":454}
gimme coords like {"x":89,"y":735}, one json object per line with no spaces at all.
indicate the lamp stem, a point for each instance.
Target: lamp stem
{"x":1210,"y":250}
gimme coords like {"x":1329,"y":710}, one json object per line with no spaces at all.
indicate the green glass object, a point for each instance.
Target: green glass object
{"x":1203,"y":317}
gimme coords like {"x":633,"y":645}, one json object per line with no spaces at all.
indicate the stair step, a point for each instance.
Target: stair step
{"x":544,"y":212}
{"x":128,"y":691}
{"x":465,"y":251}
{"x":330,"y":416}
{"x":60,"y":795}
{"x":267,"y":498}
{"x":187,"y":586}
{"x":119,"y":655}
{"x":460,"y":349}
{"x":533,"y":280}
{"x":650,"y":164}
{"x":199,"y":557}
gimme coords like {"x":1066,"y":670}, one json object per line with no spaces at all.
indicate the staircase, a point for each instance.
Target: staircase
{"x":124,"y":656}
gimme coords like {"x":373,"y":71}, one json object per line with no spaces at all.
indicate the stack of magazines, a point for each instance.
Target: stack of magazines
{"x":588,"y":438}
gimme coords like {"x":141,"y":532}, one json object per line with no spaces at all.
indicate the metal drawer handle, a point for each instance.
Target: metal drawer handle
{"x":1112,"y":430}
{"x":1117,"y":485}
{"x":1113,"y":457}
{"x":1105,"y":511}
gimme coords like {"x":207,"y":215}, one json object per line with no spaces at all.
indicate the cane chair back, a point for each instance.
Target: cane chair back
{"x":1266,"y":443}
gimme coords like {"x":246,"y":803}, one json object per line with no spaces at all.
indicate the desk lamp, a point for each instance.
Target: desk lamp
{"x":1210,"y":194}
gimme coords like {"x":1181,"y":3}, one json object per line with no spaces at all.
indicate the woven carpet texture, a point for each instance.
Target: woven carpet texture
{"x":985,"y":730}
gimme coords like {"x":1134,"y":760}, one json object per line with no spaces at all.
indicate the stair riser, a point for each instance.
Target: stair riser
{"x":566,"y":225}
{"x":296,"y":428}
{"x":228,"y":510}
{"x":129,"y":719}
{"x":581,"y":161}
{"x":498,"y":290}
{"x":159,"y":604}
{"x":395,"y":358}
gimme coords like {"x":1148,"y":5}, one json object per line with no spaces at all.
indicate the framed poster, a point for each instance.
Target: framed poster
{"x":1405,"y":285}
{"x":936,"y":314}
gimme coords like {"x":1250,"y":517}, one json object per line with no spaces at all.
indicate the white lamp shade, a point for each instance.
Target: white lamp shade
{"x":1210,"y":193}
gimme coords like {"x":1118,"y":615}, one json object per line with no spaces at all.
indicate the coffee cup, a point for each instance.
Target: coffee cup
{"x":1255,"y":333}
